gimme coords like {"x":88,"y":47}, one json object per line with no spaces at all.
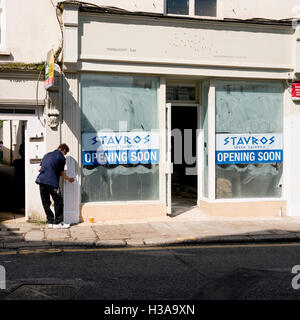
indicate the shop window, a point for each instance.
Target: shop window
{"x":192,"y":7}
{"x":119,"y":113}
{"x":249,"y":140}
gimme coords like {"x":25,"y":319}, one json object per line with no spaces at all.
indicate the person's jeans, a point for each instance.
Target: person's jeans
{"x":46,"y":191}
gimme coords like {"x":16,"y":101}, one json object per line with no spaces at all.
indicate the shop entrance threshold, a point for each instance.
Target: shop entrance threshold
{"x":183,"y":205}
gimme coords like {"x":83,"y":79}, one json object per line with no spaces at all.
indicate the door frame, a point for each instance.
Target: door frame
{"x":199,"y":154}
{"x":26,"y":118}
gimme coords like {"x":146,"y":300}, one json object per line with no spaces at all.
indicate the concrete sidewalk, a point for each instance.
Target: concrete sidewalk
{"x":189,"y":228}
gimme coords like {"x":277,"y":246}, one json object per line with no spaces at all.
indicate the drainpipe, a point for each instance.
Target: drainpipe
{"x":296,"y":25}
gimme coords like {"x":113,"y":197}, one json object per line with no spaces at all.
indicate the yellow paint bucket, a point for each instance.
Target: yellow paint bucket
{"x":91,"y":220}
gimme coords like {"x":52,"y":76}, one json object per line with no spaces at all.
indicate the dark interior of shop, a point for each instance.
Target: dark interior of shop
{"x":12,"y":176}
{"x":184,"y":185}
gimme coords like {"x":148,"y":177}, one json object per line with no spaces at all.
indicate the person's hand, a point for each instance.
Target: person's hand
{"x":71,"y":180}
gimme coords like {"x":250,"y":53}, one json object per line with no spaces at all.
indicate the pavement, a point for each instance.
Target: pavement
{"x":191,"y":227}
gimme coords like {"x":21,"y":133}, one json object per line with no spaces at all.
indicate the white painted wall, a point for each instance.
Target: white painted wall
{"x":185,"y":43}
{"x":269,"y":9}
{"x":34,"y":208}
{"x":156,"y":6}
{"x":241,"y":9}
{"x":32,"y":30}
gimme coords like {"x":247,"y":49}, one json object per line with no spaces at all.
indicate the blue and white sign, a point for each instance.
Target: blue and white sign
{"x":249,"y":148}
{"x":120,"y":148}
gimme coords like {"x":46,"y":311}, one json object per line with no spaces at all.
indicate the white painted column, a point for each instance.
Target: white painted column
{"x":292,"y":151}
{"x":292,"y":143}
{"x":211,"y":140}
{"x":71,"y":135}
{"x":162,"y":127}
{"x":297,"y":69}
{"x":70,"y":45}
{"x":70,"y":128}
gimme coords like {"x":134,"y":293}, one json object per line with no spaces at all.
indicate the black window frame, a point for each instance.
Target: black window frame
{"x":206,"y":11}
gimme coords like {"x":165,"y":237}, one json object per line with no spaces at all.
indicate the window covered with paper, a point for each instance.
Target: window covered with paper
{"x":120,"y":142}
{"x":249,"y":139}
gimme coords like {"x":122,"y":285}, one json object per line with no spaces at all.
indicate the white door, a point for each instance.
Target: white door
{"x":71,"y":193}
{"x":200,"y":157}
{"x":169,"y":164}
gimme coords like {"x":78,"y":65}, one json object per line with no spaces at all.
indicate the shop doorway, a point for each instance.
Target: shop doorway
{"x":12,"y":169}
{"x":184,"y":180}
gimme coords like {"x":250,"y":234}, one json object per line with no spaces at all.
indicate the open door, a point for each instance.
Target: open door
{"x":200,"y":158}
{"x":71,"y":194}
{"x":169,"y":164}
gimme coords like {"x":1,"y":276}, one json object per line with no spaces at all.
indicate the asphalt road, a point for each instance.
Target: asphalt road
{"x":181,"y":273}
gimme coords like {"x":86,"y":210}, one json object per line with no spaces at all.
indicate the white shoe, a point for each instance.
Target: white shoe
{"x":61,"y":225}
{"x":50,"y":226}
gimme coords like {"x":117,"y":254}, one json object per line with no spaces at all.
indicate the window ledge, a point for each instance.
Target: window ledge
{"x":5,"y":53}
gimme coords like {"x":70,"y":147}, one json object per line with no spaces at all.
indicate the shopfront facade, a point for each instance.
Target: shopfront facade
{"x":153,"y":102}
